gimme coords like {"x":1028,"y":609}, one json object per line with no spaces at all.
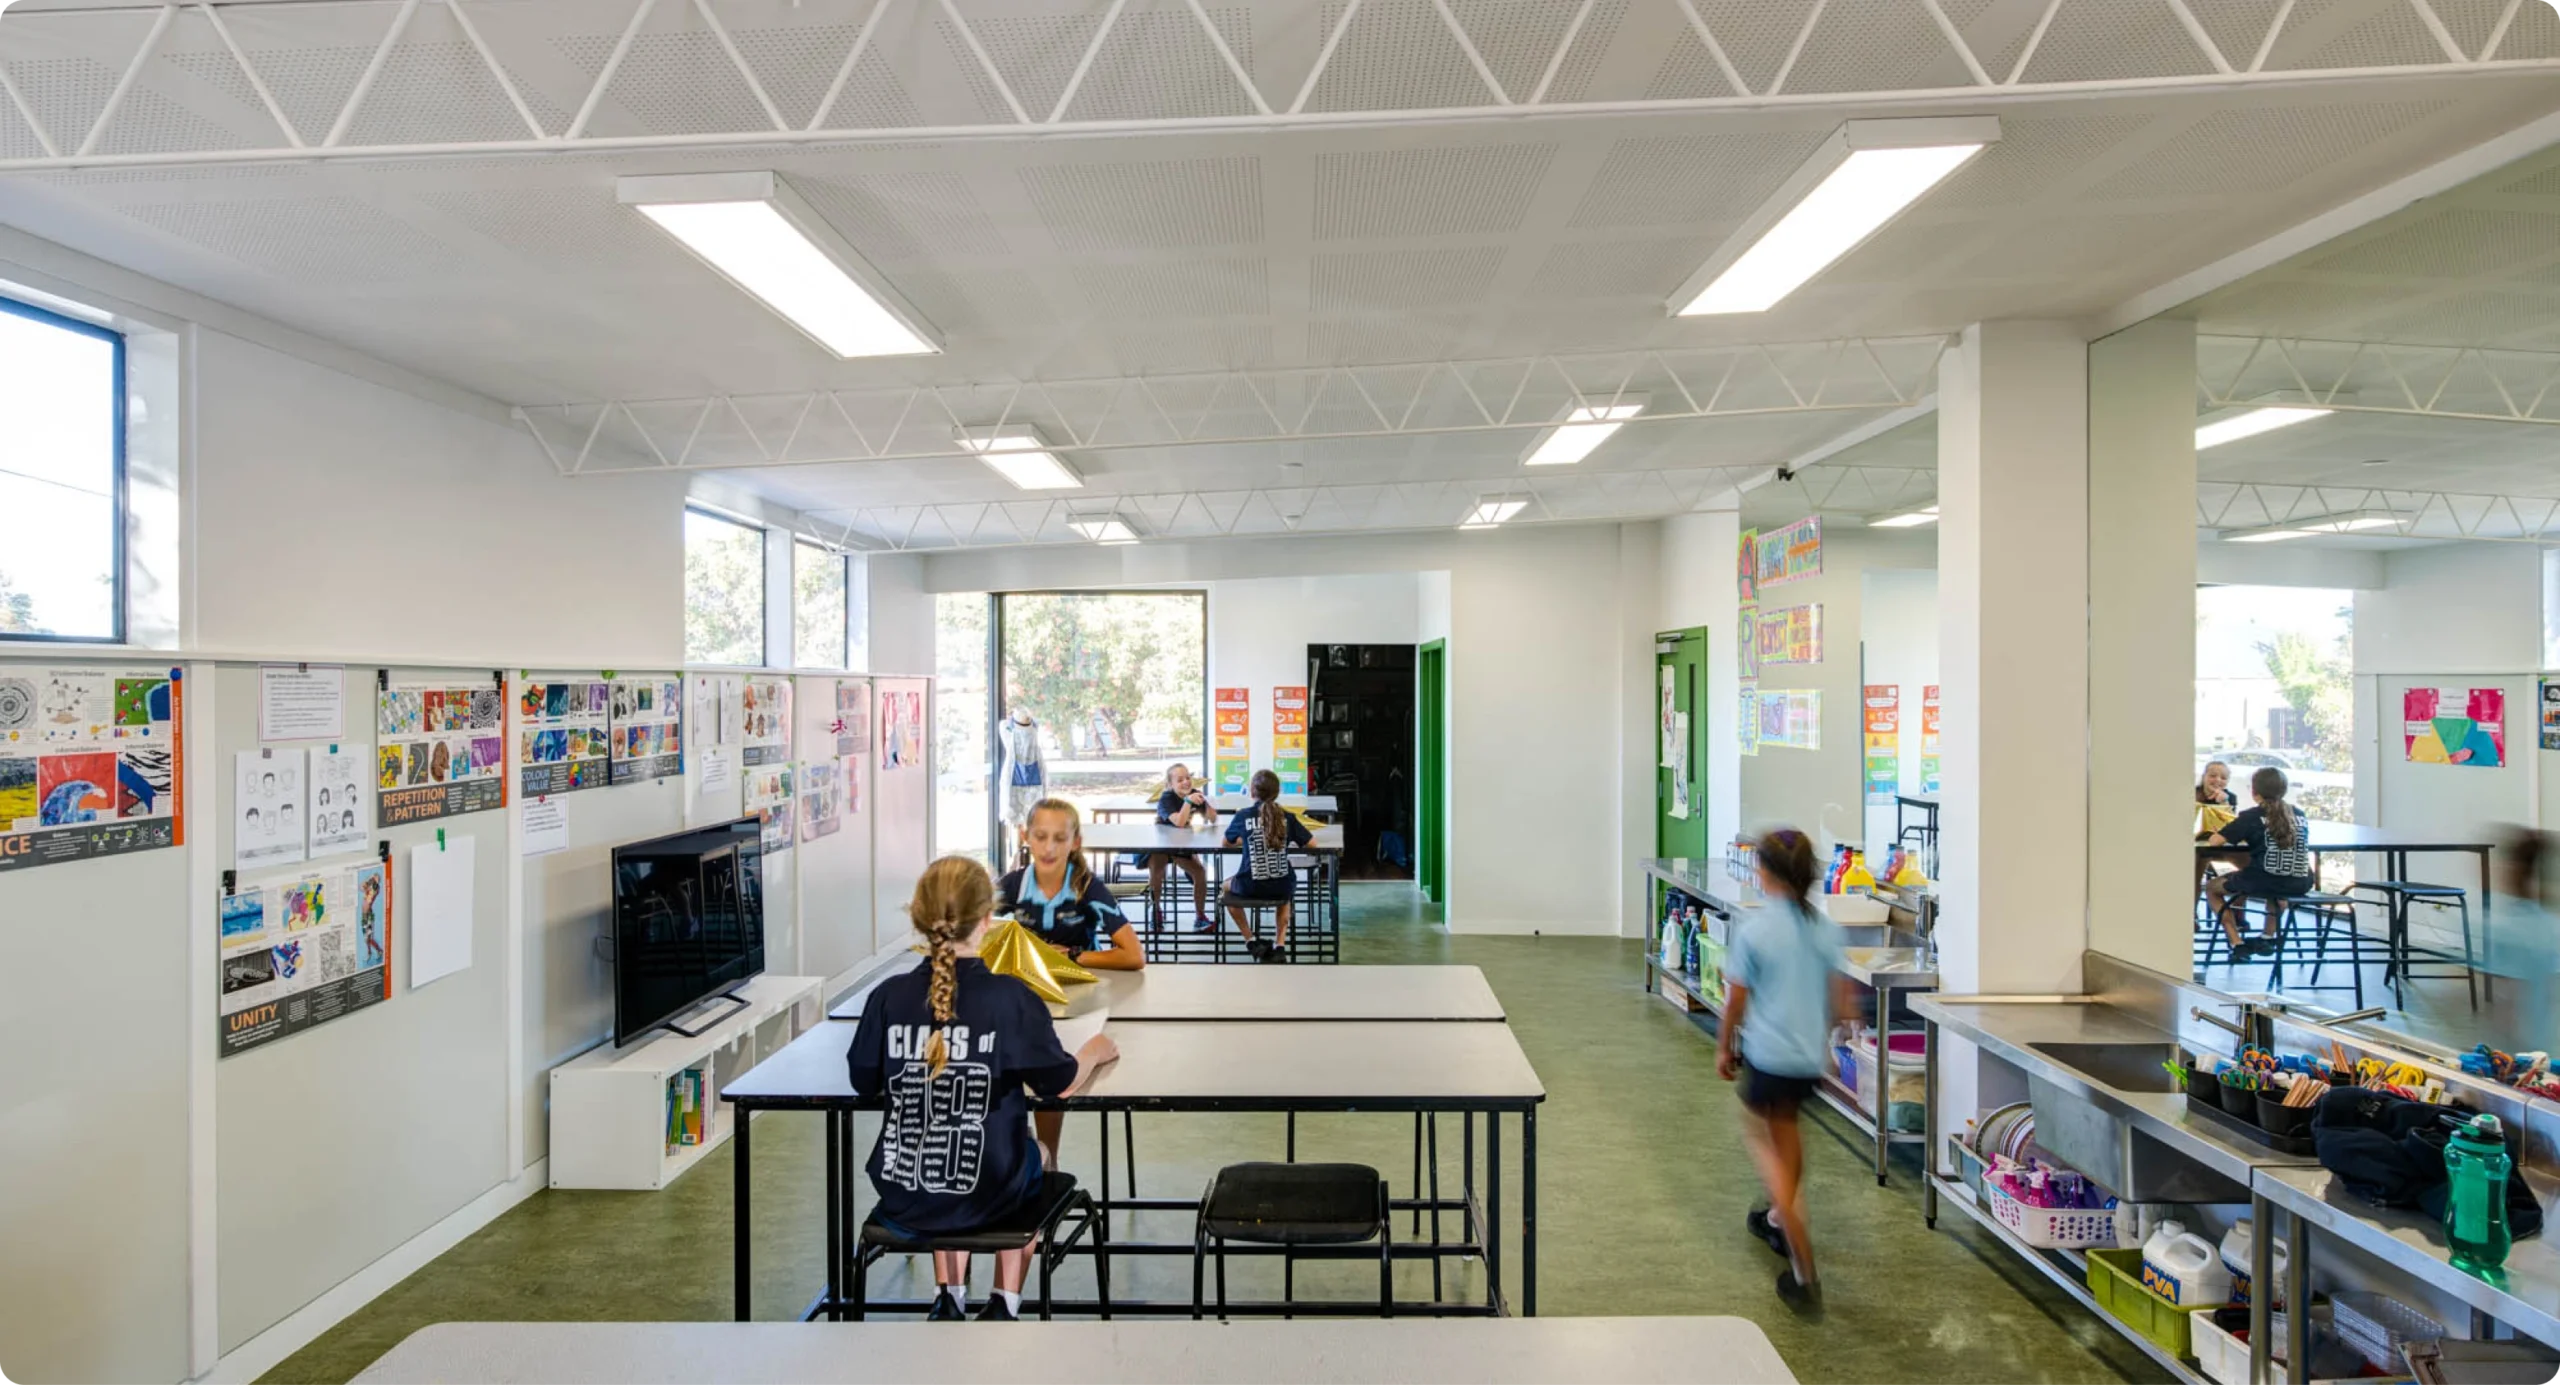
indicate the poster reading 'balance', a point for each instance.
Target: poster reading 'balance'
{"x":89,"y":764}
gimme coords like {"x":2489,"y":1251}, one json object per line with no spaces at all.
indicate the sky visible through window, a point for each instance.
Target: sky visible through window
{"x":58,"y":518}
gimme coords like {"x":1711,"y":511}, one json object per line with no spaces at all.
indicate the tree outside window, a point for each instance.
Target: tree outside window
{"x":723,"y":590}
{"x":817,"y":606}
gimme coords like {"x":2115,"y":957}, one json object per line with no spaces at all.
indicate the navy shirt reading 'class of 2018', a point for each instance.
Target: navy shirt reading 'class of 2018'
{"x":955,"y":1151}
{"x":1080,"y":917}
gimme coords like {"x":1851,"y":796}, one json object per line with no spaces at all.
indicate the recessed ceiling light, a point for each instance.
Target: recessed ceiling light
{"x":1489,"y":513}
{"x":757,"y":233}
{"x":1582,"y":430}
{"x":1022,"y":457}
{"x":2269,"y":536}
{"x":2254,"y":422}
{"x":1861,"y":178}
{"x":1108,"y":532}
{"x":2355,"y":523}
{"x":1913,"y":520}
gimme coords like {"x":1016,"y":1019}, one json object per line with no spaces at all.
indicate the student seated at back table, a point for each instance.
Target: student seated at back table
{"x":953,"y":1047}
{"x":2278,"y":837}
{"x":1060,"y":899}
{"x":1267,"y":834}
{"x":1180,"y":802}
{"x":2215,"y":808}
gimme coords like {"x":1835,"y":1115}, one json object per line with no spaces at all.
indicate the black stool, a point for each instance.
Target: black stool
{"x":2397,"y":896}
{"x":1254,"y":911}
{"x":1058,"y":1201}
{"x":1316,"y":1211}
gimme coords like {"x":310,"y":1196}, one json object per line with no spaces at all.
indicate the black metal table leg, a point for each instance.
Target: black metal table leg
{"x":835,"y":1214}
{"x":1529,"y":1211}
{"x":1493,"y":1206}
{"x":1432,"y":1135}
{"x":738,"y":1211}
{"x":1467,"y":1174}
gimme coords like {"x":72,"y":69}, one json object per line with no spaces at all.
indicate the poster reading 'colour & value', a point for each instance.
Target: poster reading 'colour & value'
{"x":560,"y":735}
{"x":89,"y":764}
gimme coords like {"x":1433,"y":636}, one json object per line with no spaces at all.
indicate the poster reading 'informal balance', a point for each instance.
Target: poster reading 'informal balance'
{"x":442,"y":750}
{"x":561,"y":738}
{"x":303,"y":951}
{"x":648,"y":728}
{"x":89,"y":764}
{"x":2444,"y":726}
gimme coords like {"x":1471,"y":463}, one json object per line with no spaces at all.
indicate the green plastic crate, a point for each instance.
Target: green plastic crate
{"x":2115,"y":1280}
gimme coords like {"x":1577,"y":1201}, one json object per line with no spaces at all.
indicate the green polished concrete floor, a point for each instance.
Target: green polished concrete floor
{"x":1643,"y":1187}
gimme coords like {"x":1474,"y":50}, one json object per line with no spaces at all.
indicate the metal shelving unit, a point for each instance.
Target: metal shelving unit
{"x":2069,"y":1270}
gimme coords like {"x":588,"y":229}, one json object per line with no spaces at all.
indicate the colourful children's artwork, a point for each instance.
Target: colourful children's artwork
{"x":2550,"y":717}
{"x":303,"y":952}
{"x":769,"y":794}
{"x":1789,"y":635}
{"x":561,"y":735}
{"x":646,"y":738}
{"x":1790,"y":553}
{"x":764,"y":715}
{"x":2443,"y":726}
{"x":88,"y":764}
{"x":441,"y":751}
{"x":821,"y":799}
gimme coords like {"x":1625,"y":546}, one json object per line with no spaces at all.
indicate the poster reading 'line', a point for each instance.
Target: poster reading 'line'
{"x":89,"y":764}
{"x":648,"y":726}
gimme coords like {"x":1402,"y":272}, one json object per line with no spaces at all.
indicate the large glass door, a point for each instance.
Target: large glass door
{"x":1116,"y":683}
{"x":964,"y":760}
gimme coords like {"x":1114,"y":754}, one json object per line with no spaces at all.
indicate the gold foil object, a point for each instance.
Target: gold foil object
{"x":1009,"y":949}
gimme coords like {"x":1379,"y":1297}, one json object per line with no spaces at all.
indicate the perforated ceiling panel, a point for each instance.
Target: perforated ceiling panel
{"x":321,"y":240}
{"x":1618,"y":269}
{"x":2033,"y":155}
{"x":1691,"y":179}
{"x":1036,"y":53}
{"x":2116,"y":38}
{"x":1175,"y":288}
{"x":673,"y":84}
{"x":2235,"y":151}
{"x":563,"y":228}
{"x":1398,"y":55}
{"x":1427,"y":192}
{"x":1755,"y":37}
{"x":897,"y":216}
{"x":1152,"y":205}
{"x":1402,"y":278}
{"x":1158,"y":65}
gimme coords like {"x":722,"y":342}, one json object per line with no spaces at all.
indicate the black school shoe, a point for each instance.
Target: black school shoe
{"x":995,"y":1311}
{"x":946,"y":1309}
{"x":1257,"y":949}
{"x":1766,"y":1230}
{"x":1805,"y":1299}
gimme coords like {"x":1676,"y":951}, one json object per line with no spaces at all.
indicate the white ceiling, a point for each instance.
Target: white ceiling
{"x":1064,"y":259}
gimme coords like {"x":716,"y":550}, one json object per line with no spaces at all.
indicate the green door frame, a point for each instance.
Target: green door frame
{"x":1431,"y":771}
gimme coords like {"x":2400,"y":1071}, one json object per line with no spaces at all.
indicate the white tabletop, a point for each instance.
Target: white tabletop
{"x":1210,"y":1063}
{"x":1138,"y":1353}
{"x":1149,"y":836}
{"x":1173,"y":993}
{"x":1224,"y":803}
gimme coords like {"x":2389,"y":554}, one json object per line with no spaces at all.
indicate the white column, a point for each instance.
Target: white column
{"x":2013,"y":604}
{"x":2142,"y":651}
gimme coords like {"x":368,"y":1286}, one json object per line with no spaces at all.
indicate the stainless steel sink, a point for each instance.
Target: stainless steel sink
{"x":2125,"y":1067}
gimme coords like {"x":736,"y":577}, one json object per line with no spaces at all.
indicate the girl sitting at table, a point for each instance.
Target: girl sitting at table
{"x":1061,"y":900}
{"x":1181,"y":802}
{"x":2278,"y":839}
{"x":954,"y":1048}
{"x":1268,"y":834}
{"x":2216,"y":806}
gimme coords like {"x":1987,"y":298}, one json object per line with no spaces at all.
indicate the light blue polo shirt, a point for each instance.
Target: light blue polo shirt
{"x":1785,"y":953}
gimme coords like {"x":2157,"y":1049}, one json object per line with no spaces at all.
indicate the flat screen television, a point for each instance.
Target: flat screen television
{"x":688,"y":923}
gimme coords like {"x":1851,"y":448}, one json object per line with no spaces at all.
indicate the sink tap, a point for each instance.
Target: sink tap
{"x":2358,"y":1016}
{"x":2219,"y":1022}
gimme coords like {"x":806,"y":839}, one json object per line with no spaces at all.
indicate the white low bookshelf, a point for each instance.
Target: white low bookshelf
{"x":609,"y":1106}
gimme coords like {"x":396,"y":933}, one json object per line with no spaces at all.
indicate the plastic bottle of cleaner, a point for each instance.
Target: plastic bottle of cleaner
{"x":2236,"y":1247}
{"x":2475,"y":1206}
{"x":2183,"y":1267}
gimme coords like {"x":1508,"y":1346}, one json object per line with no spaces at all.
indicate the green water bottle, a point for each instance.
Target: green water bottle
{"x":2475,"y":1206}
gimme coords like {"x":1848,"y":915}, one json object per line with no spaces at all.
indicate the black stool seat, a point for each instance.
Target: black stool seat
{"x":1011,"y":1233}
{"x":2414,"y":889}
{"x":1294,"y":1204}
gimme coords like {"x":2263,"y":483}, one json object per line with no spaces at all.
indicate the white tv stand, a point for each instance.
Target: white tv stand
{"x":609,"y":1105}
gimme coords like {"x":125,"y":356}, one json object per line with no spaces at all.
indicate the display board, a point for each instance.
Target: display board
{"x":440,"y":748}
{"x":832,"y":717}
{"x":716,"y":745}
{"x":648,"y":727}
{"x":902,"y":799}
{"x":302,"y":950}
{"x":90,"y":763}
{"x":764,"y":719}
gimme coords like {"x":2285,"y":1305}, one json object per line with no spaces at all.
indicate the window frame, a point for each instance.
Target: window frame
{"x":120,"y":500}
{"x":844,"y":604}
{"x":764,"y":585}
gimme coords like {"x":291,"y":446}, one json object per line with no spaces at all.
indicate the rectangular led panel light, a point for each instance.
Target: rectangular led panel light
{"x":1582,"y":430}
{"x":1024,"y":459}
{"x":2254,"y":422}
{"x":1104,"y":531}
{"x":1492,"y":512}
{"x":1862,"y":177}
{"x":761,"y":237}
{"x":1913,"y":520}
{"x":2269,"y":536}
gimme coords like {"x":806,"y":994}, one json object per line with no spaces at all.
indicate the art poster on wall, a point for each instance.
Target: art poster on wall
{"x":764,"y":720}
{"x":821,"y":799}
{"x":1231,"y":760}
{"x":1789,"y":554}
{"x":1746,"y":575}
{"x":269,"y":826}
{"x":1680,"y":765}
{"x":2442,"y":726}
{"x":90,"y":764}
{"x":1289,"y":738}
{"x":901,"y":729}
{"x":1746,"y":645}
{"x":303,"y":951}
{"x":1789,"y":635}
{"x":2551,"y":713}
{"x":1929,"y":738}
{"x":647,"y":734}
{"x":1670,"y":708}
{"x":442,"y":750}
{"x":852,"y":724}
{"x":1746,"y":719}
{"x":561,"y":735}
{"x":341,"y":818}
{"x":1883,"y":741}
{"x":769,"y":795}
{"x":1792,"y":718}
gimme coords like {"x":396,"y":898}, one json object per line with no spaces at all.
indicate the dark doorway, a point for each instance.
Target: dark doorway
{"x":1360,"y":749}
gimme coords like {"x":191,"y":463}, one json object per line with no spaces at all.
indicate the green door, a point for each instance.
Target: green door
{"x":1680,"y":701}
{"x":1431,"y":772}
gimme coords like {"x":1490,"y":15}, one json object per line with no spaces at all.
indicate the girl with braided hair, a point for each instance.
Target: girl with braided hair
{"x":956,"y":1052}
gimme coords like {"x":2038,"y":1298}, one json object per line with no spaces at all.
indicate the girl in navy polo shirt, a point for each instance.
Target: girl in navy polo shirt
{"x":1060,"y":899}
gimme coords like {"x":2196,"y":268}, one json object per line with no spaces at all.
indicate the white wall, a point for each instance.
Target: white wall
{"x":901,"y":614}
{"x":2221,"y":563}
{"x":2455,"y":616}
{"x":1539,"y":673}
{"x":1259,"y":630}
{"x":333,"y":516}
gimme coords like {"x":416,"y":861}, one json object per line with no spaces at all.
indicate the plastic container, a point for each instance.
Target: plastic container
{"x":2237,"y":1244}
{"x":2276,"y":1118}
{"x":1906,"y":1083}
{"x":1967,"y":1163}
{"x":2115,"y":1281}
{"x":2062,"y":1228}
{"x":2184,"y":1268}
{"x":2379,"y":1326}
{"x":2476,"y":1168}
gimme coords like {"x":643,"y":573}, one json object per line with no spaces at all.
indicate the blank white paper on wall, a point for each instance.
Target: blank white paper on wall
{"x":440,"y":899}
